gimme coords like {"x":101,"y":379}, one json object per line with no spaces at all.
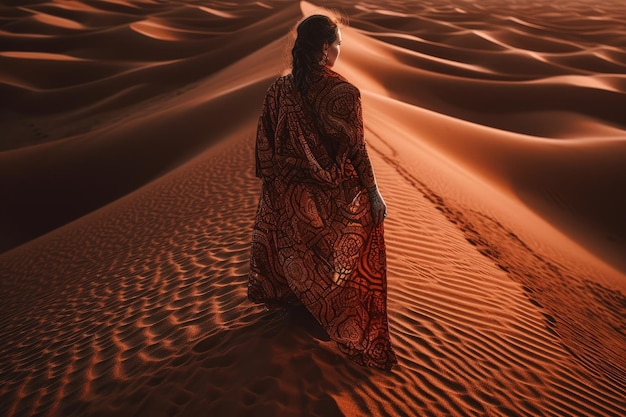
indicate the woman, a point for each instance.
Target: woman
{"x":318,"y":232}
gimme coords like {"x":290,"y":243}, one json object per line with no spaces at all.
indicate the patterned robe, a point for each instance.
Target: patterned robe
{"x":314,"y":240}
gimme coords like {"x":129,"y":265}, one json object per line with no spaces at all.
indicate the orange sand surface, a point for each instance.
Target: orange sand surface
{"x":497,"y":129}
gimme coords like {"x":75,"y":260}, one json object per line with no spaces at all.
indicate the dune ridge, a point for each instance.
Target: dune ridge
{"x":498,"y":140}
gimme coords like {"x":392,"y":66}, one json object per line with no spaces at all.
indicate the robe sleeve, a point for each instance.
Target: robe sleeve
{"x":346,"y":119}
{"x":265,"y":136}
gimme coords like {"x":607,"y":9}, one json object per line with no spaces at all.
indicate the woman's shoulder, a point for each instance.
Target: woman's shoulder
{"x":343,"y":92}
{"x":281,"y":81}
{"x":280,"y":84}
{"x":340,"y":85}
{"x":277,"y":88}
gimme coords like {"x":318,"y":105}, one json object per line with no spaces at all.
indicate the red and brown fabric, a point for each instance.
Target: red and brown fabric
{"x":314,"y":240}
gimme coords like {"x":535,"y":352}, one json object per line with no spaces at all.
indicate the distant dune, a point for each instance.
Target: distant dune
{"x":497,"y":130}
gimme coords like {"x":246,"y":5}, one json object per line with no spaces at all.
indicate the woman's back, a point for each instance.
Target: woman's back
{"x":318,"y":234}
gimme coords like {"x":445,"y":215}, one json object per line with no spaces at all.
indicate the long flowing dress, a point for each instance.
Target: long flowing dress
{"x":314,"y":240}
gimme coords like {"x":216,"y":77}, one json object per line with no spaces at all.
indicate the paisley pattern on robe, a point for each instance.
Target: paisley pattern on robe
{"x":314,"y":240}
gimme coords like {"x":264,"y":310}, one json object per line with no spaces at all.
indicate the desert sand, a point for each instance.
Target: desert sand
{"x":497,"y":130}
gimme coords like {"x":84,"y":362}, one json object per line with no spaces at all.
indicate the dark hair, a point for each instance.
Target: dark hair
{"x":312,"y":33}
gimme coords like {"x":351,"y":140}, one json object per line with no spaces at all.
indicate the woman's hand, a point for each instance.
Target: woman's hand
{"x":379,"y":208}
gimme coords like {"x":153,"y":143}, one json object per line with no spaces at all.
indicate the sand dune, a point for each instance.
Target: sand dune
{"x":497,"y":132}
